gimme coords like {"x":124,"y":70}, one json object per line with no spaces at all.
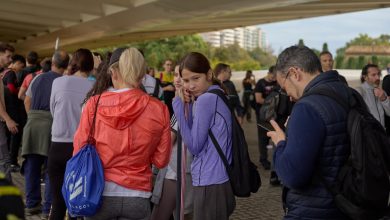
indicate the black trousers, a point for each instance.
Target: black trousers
{"x":263,"y":141}
{"x":59,"y":154}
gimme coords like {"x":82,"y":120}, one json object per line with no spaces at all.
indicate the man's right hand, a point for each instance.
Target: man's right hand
{"x":12,"y":126}
{"x":277,"y":135}
{"x":380,"y":93}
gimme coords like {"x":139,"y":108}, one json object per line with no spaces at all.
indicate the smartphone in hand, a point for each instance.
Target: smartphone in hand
{"x":266,"y":126}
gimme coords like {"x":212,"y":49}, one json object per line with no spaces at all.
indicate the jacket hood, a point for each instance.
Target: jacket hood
{"x":120,"y":110}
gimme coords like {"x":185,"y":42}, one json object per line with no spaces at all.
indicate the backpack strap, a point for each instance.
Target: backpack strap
{"x":221,"y":95}
{"x":328,"y":93}
{"x":219,"y":150}
{"x":91,"y":139}
{"x":156,"y":89}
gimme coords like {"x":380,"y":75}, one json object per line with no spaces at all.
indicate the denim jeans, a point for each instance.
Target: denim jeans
{"x":32,"y":172}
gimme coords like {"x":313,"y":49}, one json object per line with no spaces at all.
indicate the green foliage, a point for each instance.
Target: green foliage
{"x":359,"y":62}
{"x":325,"y":47}
{"x":264,"y":58}
{"x":317,"y":52}
{"x":236,"y":57}
{"x":157,"y":51}
{"x":301,"y":43}
{"x":339,"y":62}
{"x":351,"y":64}
{"x":174,"y":48}
{"x":374,"y":59}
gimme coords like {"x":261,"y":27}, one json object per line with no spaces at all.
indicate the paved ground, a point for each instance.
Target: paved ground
{"x":265,"y":204}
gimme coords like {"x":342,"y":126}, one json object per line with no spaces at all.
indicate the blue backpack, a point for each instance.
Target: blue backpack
{"x":84,"y":179}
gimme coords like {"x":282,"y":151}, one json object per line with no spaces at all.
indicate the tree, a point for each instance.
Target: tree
{"x":317,"y":52}
{"x":351,"y":63}
{"x":363,"y":40}
{"x":157,"y":51}
{"x":374,"y":60}
{"x":361,"y":62}
{"x":340,"y":62}
{"x":301,"y":43}
{"x":325,"y":47}
{"x":264,"y":58}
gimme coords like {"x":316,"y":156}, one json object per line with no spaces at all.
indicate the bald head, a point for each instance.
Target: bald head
{"x":60,"y":59}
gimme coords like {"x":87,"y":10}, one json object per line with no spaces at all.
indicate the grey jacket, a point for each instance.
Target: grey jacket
{"x":377,"y":108}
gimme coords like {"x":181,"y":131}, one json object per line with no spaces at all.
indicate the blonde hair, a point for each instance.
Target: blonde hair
{"x":132,"y":66}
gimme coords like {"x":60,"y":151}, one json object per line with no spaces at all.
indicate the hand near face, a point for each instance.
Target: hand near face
{"x":380,"y":93}
{"x":185,"y":95}
{"x":277,"y":135}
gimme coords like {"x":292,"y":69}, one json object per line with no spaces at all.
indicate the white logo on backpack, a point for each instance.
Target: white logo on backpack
{"x":77,"y":188}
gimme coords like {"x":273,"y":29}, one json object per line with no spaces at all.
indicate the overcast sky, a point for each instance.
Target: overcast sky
{"x":336,"y":30}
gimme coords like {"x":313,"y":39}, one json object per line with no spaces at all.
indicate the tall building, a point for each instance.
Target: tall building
{"x":227,"y":37}
{"x":213,"y":38}
{"x":246,"y":37}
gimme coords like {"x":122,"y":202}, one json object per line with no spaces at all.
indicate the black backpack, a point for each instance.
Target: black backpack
{"x":362,"y":186}
{"x":269,"y":108}
{"x":243,"y":175}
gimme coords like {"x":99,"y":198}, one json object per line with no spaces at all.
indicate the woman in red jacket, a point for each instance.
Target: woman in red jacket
{"x":132,"y":132}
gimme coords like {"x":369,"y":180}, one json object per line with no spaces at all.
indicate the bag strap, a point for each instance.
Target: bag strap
{"x":91,"y":139}
{"x":219,"y":150}
{"x":156,"y":89}
{"x":221,"y":95}
{"x":328,"y":93}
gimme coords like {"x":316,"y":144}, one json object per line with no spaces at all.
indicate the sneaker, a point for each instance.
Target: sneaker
{"x":33,"y":211}
{"x":274,"y":180}
{"x":14,"y":168}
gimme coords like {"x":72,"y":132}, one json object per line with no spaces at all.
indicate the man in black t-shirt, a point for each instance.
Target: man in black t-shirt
{"x":12,"y":104}
{"x":263,"y":88}
{"x":31,"y":67}
{"x":224,"y":73}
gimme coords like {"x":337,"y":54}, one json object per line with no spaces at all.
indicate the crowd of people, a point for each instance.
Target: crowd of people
{"x":47,"y":108}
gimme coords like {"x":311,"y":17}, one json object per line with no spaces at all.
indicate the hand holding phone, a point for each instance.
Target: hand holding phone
{"x":278,"y":134}
{"x":266,"y":126}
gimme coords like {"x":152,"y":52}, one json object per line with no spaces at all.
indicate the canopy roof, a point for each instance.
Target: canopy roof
{"x":36,"y":24}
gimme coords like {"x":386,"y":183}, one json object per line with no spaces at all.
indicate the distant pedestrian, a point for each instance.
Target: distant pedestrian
{"x":247,"y":84}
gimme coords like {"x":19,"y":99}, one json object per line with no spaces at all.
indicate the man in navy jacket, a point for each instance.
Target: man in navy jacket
{"x":315,"y":145}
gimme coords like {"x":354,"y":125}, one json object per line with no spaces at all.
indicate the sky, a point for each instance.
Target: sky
{"x":336,"y":30}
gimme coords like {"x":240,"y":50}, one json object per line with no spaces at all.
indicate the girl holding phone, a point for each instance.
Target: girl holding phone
{"x":213,"y":195}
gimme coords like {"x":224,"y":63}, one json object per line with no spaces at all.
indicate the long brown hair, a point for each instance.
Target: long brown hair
{"x":198,"y":63}
{"x":103,"y":80}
